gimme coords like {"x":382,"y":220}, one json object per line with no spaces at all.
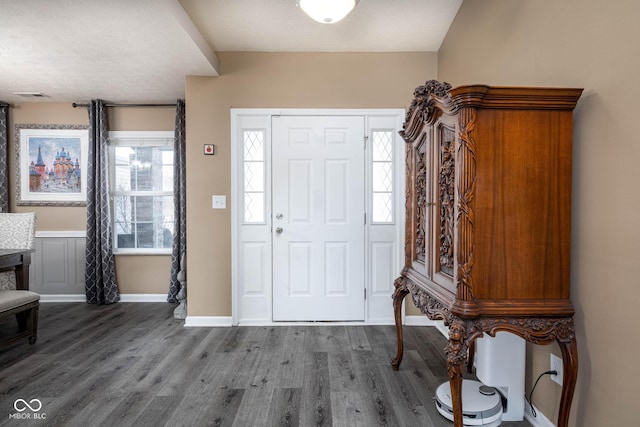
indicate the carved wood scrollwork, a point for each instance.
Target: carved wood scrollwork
{"x":466,"y":186}
{"x":410,"y":165}
{"x":446,"y":184}
{"x":420,"y":96}
{"x":535,"y":330}
{"x":428,"y":305}
{"x":421,"y":202}
{"x":457,"y":348}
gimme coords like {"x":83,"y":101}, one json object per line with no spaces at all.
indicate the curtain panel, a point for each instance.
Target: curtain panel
{"x":100,"y":277}
{"x":179,"y":246}
{"x":4,"y":171}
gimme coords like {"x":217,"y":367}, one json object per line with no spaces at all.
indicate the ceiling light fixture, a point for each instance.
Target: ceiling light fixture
{"x":327,"y":11}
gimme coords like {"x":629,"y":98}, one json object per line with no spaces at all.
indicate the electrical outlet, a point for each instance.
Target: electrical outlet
{"x":556,"y":365}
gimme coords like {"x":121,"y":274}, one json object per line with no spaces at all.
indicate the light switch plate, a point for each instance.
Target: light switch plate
{"x":219,"y":202}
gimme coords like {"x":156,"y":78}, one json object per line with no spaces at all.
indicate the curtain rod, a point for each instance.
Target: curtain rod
{"x":76,"y":105}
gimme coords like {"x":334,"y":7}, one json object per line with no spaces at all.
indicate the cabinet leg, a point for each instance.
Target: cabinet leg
{"x":456,"y":354}
{"x":472,"y":355}
{"x":398,"y":297}
{"x":570,"y":375}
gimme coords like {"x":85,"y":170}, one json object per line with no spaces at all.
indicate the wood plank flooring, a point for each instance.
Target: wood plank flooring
{"x":132,"y":364}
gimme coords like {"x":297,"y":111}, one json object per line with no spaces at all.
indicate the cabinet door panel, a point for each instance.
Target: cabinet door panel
{"x":420,"y":158}
{"x":442,"y":257}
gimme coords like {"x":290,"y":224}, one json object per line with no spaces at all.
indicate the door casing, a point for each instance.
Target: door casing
{"x":252,"y":303}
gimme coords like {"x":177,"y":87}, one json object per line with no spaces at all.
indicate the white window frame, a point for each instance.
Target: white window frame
{"x":135,"y":139}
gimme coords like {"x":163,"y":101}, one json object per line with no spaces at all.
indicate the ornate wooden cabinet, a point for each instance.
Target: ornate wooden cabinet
{"x":488,"y":219}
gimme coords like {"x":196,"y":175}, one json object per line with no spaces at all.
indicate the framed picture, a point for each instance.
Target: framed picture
{"x":51,"y":165}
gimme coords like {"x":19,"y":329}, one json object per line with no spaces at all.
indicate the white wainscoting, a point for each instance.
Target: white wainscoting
{"x":57,"y":269}
{"x":57,"y":266}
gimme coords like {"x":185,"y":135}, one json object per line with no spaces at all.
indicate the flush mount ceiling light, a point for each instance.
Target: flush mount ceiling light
{"x":327,"y":11}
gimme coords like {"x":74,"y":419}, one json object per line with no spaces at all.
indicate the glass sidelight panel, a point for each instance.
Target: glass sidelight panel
{"x":382,"y":176}
{"x":254,"y":176}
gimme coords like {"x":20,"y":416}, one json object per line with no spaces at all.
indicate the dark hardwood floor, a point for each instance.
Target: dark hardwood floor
{"x":132,"y":364}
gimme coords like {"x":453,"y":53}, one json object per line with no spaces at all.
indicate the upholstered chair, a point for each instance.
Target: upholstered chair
{"x":17,"y":231}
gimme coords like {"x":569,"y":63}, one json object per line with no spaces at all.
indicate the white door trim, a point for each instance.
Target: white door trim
{"x":258,"y":305}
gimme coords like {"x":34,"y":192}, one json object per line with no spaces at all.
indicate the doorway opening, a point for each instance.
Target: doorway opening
{"x":317,"y":215}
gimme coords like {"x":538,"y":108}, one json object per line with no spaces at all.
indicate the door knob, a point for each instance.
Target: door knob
{"x":279,"y":216}
{"x":279,"y":230}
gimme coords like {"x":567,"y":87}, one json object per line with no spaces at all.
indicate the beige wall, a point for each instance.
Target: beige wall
{"x":135,"y":274}
{"x":594,"y":45}
{"x":269,"y":80}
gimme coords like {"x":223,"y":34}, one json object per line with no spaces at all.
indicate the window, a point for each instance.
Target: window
{"x":382,"y":171}
{"x":141,"y":186}
{"x":254,"y":181}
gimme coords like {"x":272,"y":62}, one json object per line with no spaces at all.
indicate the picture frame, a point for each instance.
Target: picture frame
{"x":51,"y":165}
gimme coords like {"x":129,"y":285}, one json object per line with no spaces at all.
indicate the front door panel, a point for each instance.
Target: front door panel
{"x":318,"y":218}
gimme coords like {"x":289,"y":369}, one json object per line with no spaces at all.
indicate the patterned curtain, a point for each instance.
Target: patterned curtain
{"x":100,"y":277}
{"x":179,"y":201}
{"x":4,"y":180}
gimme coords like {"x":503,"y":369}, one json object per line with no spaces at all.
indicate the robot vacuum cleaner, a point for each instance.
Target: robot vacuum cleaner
{"x":481,"y":404}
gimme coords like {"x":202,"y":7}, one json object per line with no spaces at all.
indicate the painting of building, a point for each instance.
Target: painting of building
{"x":55,"y":166}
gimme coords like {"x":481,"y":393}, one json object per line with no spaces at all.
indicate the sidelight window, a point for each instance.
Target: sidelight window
{"x":253,"y":141}
{"x":382,"y":172}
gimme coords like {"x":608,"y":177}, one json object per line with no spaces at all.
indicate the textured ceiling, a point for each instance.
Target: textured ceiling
{"x":141,"y":50}
{"x":280,"y":26}
{"x":76,"y":50}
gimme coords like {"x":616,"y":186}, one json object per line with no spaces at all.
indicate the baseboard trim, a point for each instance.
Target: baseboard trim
{"x":444,"y":330}
{"x":143,"y":297}
{"x":63,"y":298}
{"x":540,"y":420}
{"x":418,"y":321}
{"x":258,"y":322}
{"x":207,"y":321}
{"x":123,"y":298}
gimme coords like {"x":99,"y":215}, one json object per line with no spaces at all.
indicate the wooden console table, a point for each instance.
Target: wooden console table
{"x":488,"y":201}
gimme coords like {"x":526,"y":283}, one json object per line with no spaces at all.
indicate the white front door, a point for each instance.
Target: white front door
{"x":318,"y":224}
